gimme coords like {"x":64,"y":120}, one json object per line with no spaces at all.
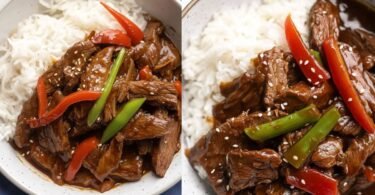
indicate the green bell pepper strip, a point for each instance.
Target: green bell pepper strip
{"x":127,"y":112}
{"x":284,"y":125}
{"x":100,"y":103}
{"x":299,"y":152}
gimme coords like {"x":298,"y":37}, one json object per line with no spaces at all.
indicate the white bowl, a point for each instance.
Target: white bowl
{"x":32,"y":181}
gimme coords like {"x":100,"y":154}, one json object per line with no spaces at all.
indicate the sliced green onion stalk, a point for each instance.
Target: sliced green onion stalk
{"x":299,"y":152}
{"x":316,"y":55}
{"x":97,"y":109}
{"x":284,"y":125}
{"x":127,"y":112}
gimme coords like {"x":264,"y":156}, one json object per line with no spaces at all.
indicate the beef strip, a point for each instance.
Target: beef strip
{"x":102,"y":162}
{"x":97,"y":71}
{"x":170,"y":60}
{"x":274,"y":64}
{"x":143,"y":126}
{"x":54,"y":137}
{"x":327,"y":153}
{"x":324,"y":23}
{"x":302,"y":94}
{"x":164,"y":149}
{"x":148,"y":53}
{"x":86,"y":179}
{"x":275,"y":188}
{"x":158,"y":93}
{"x":210,"y":151}
{"x":250,"y":168}
{"x":361,"y":79}
{"x":69,"y":68}
{"x":23,"y":131}
{"x":130,"y":168}
{"x":358,"y":151}
{"x":346,"y":124}
{"x":364,"y":42}
{"x":48,"y":162}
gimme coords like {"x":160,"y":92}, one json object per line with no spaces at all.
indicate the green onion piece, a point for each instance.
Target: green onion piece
{"x":284,"y":125}
{"x":99,"y":104}
{"x":316,"y":55}
{"x":127,"y":112}
{"x":299,"y":152}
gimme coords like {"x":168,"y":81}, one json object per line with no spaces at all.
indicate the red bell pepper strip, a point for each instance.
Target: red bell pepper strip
{"x":309,"y":66}
{"x":42,"y":96}
{"x":369,"y":173}
{"x":112,"y":36}
{"x":59,"y":110}
{"x":134,"y":32}
{"x":312,"y":181}
{"x":145,"y":73}
{"x":81,"y":152}
{"x":345,"y":88}
{"x":178,"y":86}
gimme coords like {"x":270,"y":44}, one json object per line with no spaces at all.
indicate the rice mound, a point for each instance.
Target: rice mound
{"x":223,"y":51}
{"x":41,"y":39}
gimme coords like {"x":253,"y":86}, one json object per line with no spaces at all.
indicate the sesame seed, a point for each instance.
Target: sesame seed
{"x":219,"y":181}
{"x":350,"y":99}
{"x":285,"y":160}
{"x":359,"y":193}
{"x":316,"y":83}
{"x":269,"y":109}
{"x":315,"y":97}
{"x":285,"y":143}
{"x":270,"y":84}
{"x":341,"y":46}
{"x":217,"y":130}
{"x":75,"y":52}
{"x":361,"y":91}
{"x":260,"y":114}
{"x":99,"y":145}
{"x":31,"y":141}
{"x":227,"y":187}
{"x":282,"y":106}
{"x":261,"y":55}
{"x":292,"y":187}
{"x":308,"y":79}
{"x":212,"y":171}
{"x":312,"y":88}
{"x":226,"y":137}
{"x":300,"y":62}
{"x":320,"y":76}
{"x":28,"y":152}
{"x":306,"y":62}
{"x":269,"y":114}
{"x":295,"y":157}
{"x":354,"y":74}
{"x":285,"y":103}
{"x":330,"y":102}
{"x":264,"y":62}
{"x":303,"y":182}
{"x":350,"y":49}
{"x":312,"y":70}
{"x":235,"y":145}
{"x":152,"y":93}
{"x":345,"y":184}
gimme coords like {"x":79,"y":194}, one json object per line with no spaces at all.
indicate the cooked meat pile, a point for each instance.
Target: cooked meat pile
{"x":235,"y":164}
{"x":147,"y":143}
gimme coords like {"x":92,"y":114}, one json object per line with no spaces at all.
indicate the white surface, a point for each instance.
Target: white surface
{"x":31,"y":180}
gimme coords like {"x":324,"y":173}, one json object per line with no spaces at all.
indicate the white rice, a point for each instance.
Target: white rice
{"x":223,"y":51}
{"x":40,"y":39}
